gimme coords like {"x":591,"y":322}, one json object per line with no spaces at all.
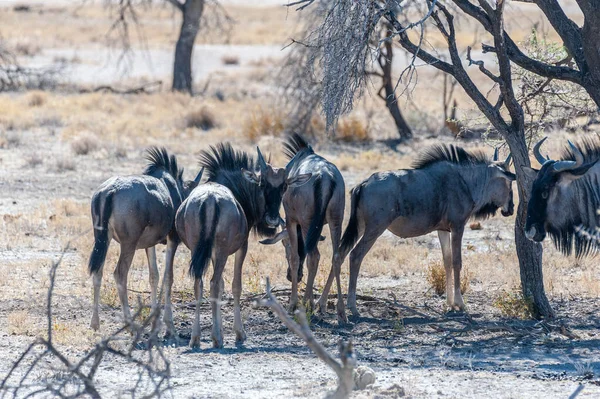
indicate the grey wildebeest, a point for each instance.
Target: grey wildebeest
{"x":307,"y":209}
{"x":446,"y":188}
{"x":566,"y":196}
{"x":215,"y":221}
{"x":138,"y":212}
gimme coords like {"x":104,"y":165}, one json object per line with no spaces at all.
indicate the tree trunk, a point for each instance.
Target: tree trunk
{"x":391,"y":102}
{"x":591,"y":48}
{"x":190,"y":25}
{"x":529,"y":252}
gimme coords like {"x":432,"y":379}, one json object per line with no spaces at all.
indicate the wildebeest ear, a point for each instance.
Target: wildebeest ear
{"x":530,"y":172}
{"x":251,"y":176}
{"x":298,"y":180}
{"x":509,"y":175}
{"x":278,"y":237}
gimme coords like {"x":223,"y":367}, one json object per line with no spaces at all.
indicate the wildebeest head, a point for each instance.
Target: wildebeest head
{"x":272,"y":182}
{"x":548,"y":182}
{"x":499,"y":190}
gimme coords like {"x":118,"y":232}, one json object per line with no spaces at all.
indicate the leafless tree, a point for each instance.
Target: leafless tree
{"x":194,"y":14}
{"x":350,"y":25}
{"x":149,"y":368}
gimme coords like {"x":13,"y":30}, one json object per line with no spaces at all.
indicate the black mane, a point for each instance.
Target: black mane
{"x":159,"y":159}
{"x":294,"y":144}
{"x":449,"y":153}
{"x":224,"y":165}
{"x":589,"y":147}
{"x":573,"y":237}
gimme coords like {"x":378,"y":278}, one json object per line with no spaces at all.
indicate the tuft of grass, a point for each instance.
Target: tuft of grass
{"x":513,"y":304}
{"x":36,"y":99}
{"x":21,"y":323}
{"x":230,"y":60}
{"x":436,"y":277}
{"x":203,"y":119}
{"x":85,"y":144}
{"x":109,"y":296}
{"x":352,"y":130}
{"x":263,"y":123}
{"x":34,"y":159}
{"x":65,"y":164}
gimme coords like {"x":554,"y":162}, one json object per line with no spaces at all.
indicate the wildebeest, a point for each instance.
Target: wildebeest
{"x":446,"y":188}
{"x":138,"y":212}
{"x":215,"y":221}
{"x":565,"y":196}
{"x":307,"y":209}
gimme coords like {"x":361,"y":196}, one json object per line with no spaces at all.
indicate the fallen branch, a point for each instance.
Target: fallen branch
{"x":147,"y":88}
{"x":344,"y":369}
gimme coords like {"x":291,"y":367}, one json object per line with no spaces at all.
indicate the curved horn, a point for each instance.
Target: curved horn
{"x":536,"y":152}
{"x":261,"y":160}
{"x":199,"y":176}
{"x":507,"y":161}
{"x":577,"y":153}
{"x":495,"y":154}
{"x":281,"y":222}
{"x":278,"y":237}
{"x":562,"y":166}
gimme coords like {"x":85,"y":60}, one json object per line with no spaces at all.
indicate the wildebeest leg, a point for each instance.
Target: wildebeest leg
{"x":95,"y":324}
{"x":168,"y":285}
{"x":121,"y":272}
{"x":216,"y":285}
{"x":195,"y":339}
{"x":153,"y":273}
{"x":313,"y":267}
{"x":335,"y":229}
{"x":445,"y":243}
{"x":356,"y":257}
{"x":457,"y":265}
{"x":238,"y":326}
{"x":294,"y":261}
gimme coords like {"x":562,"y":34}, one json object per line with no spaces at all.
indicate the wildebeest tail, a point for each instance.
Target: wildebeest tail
{"x":316,"y":225}
{"x":102,"y":207}
{"x":351,"y":233}
{"x":204,"y":246}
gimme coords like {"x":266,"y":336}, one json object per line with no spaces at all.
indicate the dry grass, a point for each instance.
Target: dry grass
{"x":85,"y":143}
{"x":512,"y":304}
{"x":263,"y":123}
{"x":436,"y":278}
{"x":36,"y":98}
{"x":22,"y":322}
{"x":202,"y":118}
{"x":352,"y":130}
{"x":65,"y":165}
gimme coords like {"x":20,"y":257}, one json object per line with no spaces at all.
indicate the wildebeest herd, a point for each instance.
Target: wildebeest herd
{"x":447,"y":186}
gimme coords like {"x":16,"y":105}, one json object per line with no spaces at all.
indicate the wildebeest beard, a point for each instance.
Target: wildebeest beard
{"x":486,"y":211}
{"x":567,"y":238}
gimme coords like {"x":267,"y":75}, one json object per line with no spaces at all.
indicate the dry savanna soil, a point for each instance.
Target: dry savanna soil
{"x":57,"y":146}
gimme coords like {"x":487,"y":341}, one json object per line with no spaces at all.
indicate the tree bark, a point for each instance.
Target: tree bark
{"x":190,"y":25}
{"x":529,"y":252}
{"x":391,"y":102}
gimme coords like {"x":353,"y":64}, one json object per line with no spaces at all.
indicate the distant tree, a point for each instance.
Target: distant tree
{"x":193,"y":14}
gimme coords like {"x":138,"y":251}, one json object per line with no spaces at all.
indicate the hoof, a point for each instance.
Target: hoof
{"x":240,"y":337}
{"x":355,"y":313}
{"x":217,"y":343}
{"x":195,"y":342}
{"x":95,"y":325}
{"x":342,"y":318}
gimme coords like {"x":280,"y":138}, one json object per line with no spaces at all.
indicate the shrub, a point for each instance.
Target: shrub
{"x":436,"y":277}
{"x":84,"y":144}
{"x":230,"y":60}
{"x":201,"y":119}
{"x":36,"y":99}
{"x":263,"y":123}
{"x":65,"y":164}
{"x":514,"y":305}
{"x":352,"y":130}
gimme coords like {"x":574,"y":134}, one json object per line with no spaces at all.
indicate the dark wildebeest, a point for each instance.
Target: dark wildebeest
{"x":216,"y":219}
{"x":307,"y":209}
{"x":565,"y":196}
{"x":446,"y":188}
{"x":138,"y":212}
